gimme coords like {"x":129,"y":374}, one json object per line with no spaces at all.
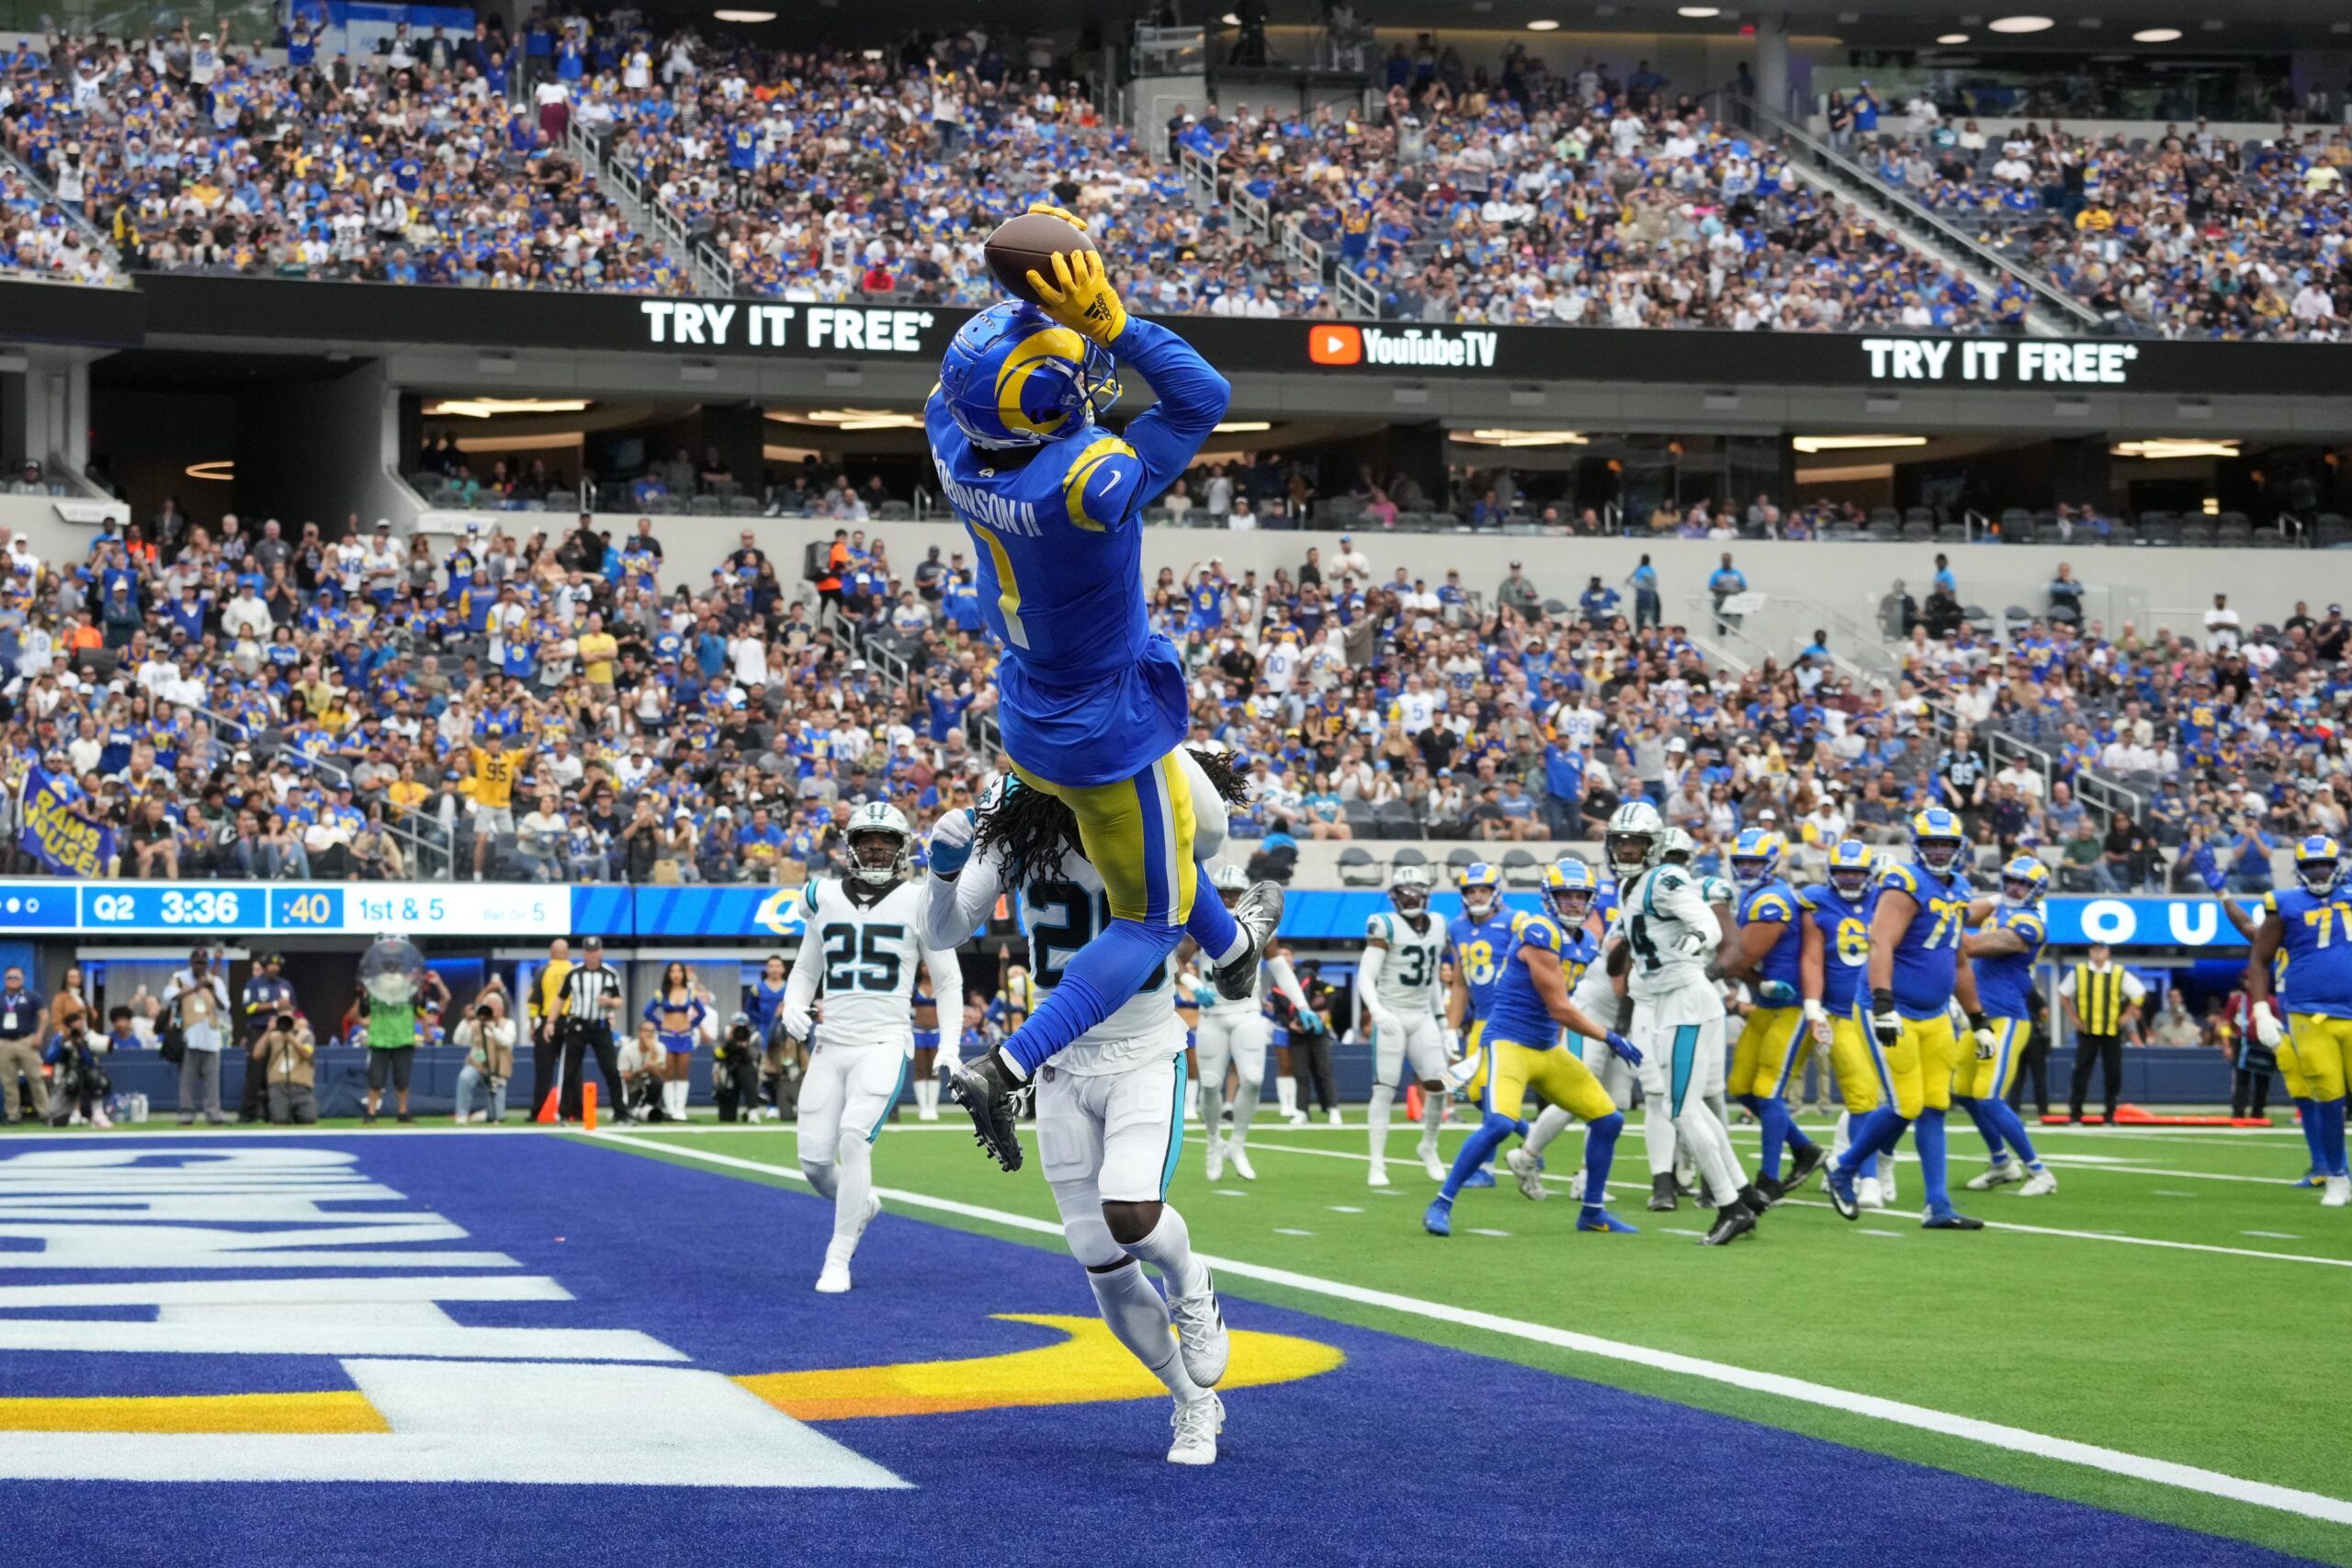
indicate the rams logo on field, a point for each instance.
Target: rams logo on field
{"x":780,"y":912}
{"x":1036,"y":351}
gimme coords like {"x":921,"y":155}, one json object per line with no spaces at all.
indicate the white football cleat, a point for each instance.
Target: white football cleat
{"x":2000,"y":1175}
{"x":1376,"y":1177}
{"x":1215,"y":1159}
{"x":834,"y":1279}
{"x":1197,"y":1423}
{"x":1201,"y":1338}
{"x":1576,"y":1185}
{"x":1298,"y":1118}
{"x":1240,"y":1159}
{"x":1869,"y":1193}
{"x":2040,"y":1184}
{"x":2338,"y":1192}
{"x":1334,"y":1118}
{"x":1530,"y":1180}
{"x":1428,"y":1155}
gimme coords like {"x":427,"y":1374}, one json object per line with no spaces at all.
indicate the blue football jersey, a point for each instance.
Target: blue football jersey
{"x":1926,"y":955}
{"x":2005,"y":981}
{"x":1844,"y":924}
{"x":2317,"y":944}
{"x":1517,"y":1013}
{"x":1775,"y":903}
{"x":1477,"y":949}
{"x":1088,"y":693}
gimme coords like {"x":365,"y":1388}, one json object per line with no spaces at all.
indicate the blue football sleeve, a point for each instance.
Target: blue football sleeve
{"x":1192,"y":398}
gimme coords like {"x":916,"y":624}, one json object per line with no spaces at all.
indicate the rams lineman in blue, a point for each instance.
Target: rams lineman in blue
{"x":1918,"y":916}
{"x":2003,"y":951}
{"x":2312,"y":923}
{"x":1092,"y":700}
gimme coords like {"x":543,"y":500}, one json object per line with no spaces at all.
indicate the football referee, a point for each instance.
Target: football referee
{"x":2100,"y":997}
{"x":588,"y":1001}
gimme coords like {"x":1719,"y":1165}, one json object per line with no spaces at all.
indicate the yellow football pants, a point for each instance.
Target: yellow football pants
{"x":1989,"y":1079}
{"x":1771,"y":1048}
{"x":1559,"y":1075}
{"x":1915,"y":1072}
{"x":2319,"y":1047}
{"x":1138,"y":834}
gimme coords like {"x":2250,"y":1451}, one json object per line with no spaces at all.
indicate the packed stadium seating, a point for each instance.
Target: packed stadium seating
{"x":2187,"y":235}
{"x":265,"y":705}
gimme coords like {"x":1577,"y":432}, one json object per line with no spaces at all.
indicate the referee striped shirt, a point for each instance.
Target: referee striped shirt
{"x":584,"y":990}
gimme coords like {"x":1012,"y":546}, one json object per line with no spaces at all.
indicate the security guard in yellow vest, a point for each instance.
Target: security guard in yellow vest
{"x":2100,"y":997}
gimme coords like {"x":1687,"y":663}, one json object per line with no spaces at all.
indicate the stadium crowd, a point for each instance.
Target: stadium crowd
{"x":2187,"y":235}
{"x":261,"y":703}
{"x":197,"y":153}
{"x":1583,"y":200}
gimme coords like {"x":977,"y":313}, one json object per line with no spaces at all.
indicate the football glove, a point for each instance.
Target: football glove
{"x":1625,"y":1049}
{"x":1979,"y":1028}
{"x":1048,"y":209}
{"x":1384,"y":1021}
{"x":1886,"y":1025}
{"x":799,"y":1022}
{"x":2265,"y":1026}
{"x":951,"y":843}
{"x":1776,"y":994}
{"x":1080,"y":298}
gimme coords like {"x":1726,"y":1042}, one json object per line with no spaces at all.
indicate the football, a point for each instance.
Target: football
{"x":1030,"y":241}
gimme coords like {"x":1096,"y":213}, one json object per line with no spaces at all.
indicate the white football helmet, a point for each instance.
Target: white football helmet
{"x":881,"y":845}
{"x":1408,"y":889}
{"x":1230,"y":882}
{"x":1677,"y":846}
{"x":1634,"y":839}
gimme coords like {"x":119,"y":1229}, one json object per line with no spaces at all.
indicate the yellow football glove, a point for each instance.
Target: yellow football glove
{"x":1064,"y":213}
{"x":1080,"y":298}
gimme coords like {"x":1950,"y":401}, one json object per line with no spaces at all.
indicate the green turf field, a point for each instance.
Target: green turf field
{"x":2162,"y":1305}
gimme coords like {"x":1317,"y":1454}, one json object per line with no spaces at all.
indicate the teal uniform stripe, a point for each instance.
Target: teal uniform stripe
{"x":892,"y":1104}
{"x":1686,"y":1053}
{"x":1175,"y":1130}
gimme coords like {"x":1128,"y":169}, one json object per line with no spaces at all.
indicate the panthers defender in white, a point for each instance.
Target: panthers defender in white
{"x":1110,"y":1103}
{"x":1238,"y":1034}
{"x":1673,"y":960}
{"x":1400,"y":985}
{"x":850,"y":997}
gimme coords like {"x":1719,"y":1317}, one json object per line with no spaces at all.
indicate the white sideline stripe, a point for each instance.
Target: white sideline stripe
{"x":1989,"y":1225}
{"x":2016,"y":1439}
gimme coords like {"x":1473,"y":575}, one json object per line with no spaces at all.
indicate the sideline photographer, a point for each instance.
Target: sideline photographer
{"x":735,"y":1072}
{"x":488,"y":1035}
{"x":78,"y":1085}
{"x":283,"y":1056}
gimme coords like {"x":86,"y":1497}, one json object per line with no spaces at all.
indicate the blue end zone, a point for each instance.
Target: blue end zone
{"x":1405,"y":1454}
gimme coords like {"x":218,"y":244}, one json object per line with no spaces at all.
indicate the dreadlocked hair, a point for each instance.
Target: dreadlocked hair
{"x":1033,"y":832}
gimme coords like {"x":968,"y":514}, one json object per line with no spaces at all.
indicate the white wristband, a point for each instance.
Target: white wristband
{"x":1813,"y":1010}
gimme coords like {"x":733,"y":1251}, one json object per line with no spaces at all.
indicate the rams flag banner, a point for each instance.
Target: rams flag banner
{"x":56,"y":834}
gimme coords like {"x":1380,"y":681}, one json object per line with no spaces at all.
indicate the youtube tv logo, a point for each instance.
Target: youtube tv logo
{"x":1335,"y":344}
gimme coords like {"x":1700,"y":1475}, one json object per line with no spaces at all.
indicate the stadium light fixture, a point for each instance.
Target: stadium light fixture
{"x":1951,"y":37}
{"x":2156,"y":35}
{"x":2165,"y":449}
{"x":217,"y":469}
{"x":1811,"y":444}
{"x":1543,"y":25}
{"x":1521,"y":438}
{"x":735,"y":16}
{"x":851,"y":419}
{"x":1243,"y":427}
{"x":491,"y":408}
{"x":1698,"y":13}
{"x":1231,"y":18}
{"x":2020,"y":24}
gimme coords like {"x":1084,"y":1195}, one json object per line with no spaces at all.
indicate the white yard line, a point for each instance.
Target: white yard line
{"x":2015,"y":1439}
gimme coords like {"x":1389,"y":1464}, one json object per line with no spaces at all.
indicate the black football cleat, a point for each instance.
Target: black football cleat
{"x":1662,"y":1198}
{"x":1951,"y":1220}
{"x":986,"y":1088}
{"x":1257,"y":912}
{"x":1807,"y":1160}
{"x":1734,"y":1220}
{"x":1768,"y":1191}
